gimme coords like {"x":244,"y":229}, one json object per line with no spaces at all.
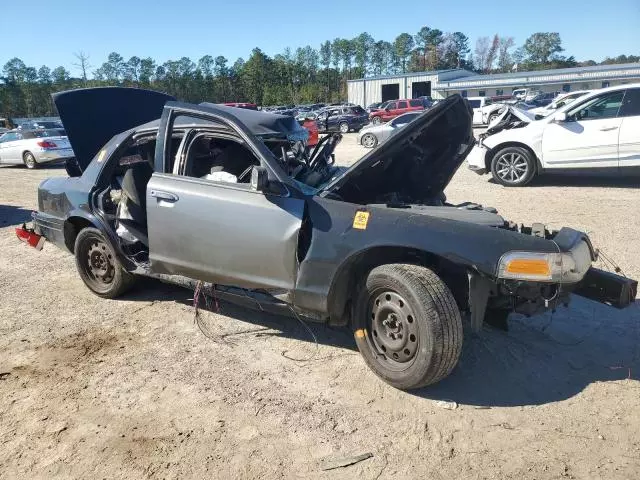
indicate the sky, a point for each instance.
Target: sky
{"x":48,"y":33}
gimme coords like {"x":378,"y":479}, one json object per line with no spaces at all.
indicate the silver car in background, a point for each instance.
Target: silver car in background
{"x":34,"y":147}
{"x":372,"y":135}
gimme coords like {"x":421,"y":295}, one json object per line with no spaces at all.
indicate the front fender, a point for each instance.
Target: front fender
{"x":335,"y":243}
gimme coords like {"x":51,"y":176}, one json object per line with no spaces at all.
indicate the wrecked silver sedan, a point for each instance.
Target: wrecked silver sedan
{"x":233,"y":199}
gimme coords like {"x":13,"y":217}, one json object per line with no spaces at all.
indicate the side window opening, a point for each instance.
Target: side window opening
{"x":631,"y":104}
{"x":602,"y":107}
{"x":219,"y":159}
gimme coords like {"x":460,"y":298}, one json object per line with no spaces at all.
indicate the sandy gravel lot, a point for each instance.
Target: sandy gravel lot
{"x":134,"y":388}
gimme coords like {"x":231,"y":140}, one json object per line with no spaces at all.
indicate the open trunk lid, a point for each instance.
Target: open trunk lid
{"x":416,"y":163}
{"x":91,"y":116}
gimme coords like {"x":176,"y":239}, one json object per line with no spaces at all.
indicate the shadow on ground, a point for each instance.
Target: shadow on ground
{"x":12,"y":215}
{"x":583,"y":180}
{"x":546,"y":358}
{"x":543,"y":359}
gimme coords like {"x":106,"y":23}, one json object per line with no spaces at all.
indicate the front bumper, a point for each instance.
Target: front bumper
{"x":476,"y":160}
{"x":608,"y":288}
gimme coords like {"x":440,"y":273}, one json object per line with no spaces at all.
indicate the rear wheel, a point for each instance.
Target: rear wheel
{"x":344,"y":127}
{"x":513,"y":166}
{"x":99,"y":266}
{"x":376,"y":120}
{"x":369,"y":140}
{"x":491,"y":118}
{"x":408,"y":326}
{"x":29,"y":160}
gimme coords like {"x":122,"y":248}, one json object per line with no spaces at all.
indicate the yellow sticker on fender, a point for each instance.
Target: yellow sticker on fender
{"x":360,"y":220}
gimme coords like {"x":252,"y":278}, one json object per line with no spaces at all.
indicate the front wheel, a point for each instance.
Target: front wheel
{"x":376,"y":120}
{"x":29,"y":160}
{"x":344,"y":127}
{"x":513,"y":166}
{"x":99,"y":266}
{"x":369,"y":140}
{"x":407,"y":326}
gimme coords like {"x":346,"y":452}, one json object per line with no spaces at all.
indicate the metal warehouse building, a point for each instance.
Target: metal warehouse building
{"x":442,"y":83}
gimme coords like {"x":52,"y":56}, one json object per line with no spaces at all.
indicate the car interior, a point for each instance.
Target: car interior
{"x":210,"y":156}
{"x":219,"y":159}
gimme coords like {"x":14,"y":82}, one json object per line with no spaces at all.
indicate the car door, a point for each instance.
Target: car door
{"x":225,"y":233}
{"x":10,"y":148}
{"x":629,"y":139}
{"x":389,"y":111}
{"x":333,"y":119}
{"x":588,"y":138}
{"x":4,"y":139}
{"x":402,"y":107}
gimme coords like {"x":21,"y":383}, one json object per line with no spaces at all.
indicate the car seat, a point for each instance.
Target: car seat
{"x":132,"y":209}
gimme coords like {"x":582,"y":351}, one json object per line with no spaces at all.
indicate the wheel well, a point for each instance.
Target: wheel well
{"x":353,"y":272}
{"x":72,"y":228}
{"x":497,"y":148}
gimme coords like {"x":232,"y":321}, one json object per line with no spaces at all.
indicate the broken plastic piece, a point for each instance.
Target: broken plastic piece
{"x":31,"y":238}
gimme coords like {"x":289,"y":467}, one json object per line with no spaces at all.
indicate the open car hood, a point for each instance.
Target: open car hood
{"x":91,"y":116}
{"x":416,"y":163}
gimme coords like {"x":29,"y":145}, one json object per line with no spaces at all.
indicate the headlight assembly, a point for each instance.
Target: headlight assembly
{"x":567,"y":267}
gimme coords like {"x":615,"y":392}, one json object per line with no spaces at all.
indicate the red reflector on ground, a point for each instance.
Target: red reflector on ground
{"x":29,"y":237}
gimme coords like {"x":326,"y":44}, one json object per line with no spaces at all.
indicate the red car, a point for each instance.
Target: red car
{"x":394,"y":109}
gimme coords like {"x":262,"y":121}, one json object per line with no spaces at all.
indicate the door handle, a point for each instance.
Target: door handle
{"x":166,"y":196}
{"x":606,"y":129}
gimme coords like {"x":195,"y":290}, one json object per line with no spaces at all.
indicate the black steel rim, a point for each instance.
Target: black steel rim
{"x":393,"y":330}
{"x":98,"y":264}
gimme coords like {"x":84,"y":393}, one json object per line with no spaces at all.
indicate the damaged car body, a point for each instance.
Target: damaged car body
{"x":232,"y":199}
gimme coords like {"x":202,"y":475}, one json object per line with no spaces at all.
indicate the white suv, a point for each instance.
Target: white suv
{"x":600,"y":130}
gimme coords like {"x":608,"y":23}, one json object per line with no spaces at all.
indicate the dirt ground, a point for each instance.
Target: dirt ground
{"x":134,"y":388}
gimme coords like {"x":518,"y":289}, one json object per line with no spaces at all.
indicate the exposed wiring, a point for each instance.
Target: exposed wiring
{"x":313,"y":335}
{"x":616,"y":267}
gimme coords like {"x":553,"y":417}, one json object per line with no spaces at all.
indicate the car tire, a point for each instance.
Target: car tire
{"x":29,"y":160}
{"x":407,"y":326}
{"x":376,"y":120}
{"x":344,"y":127}
{"x":513,"y":166}
{"x":369,"y":140}
{"x":98,"y":265}
{"x":491,"y":118}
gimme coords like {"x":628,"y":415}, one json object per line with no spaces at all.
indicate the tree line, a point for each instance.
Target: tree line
{"x":306,"y":75}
